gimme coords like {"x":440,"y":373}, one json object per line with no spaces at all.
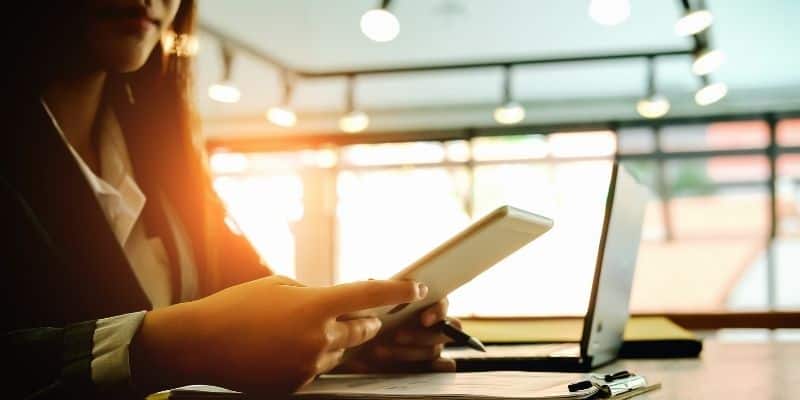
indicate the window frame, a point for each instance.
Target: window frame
{"x":769,"y":318}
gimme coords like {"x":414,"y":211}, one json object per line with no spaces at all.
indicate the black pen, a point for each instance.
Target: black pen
{"x":459,"y":336}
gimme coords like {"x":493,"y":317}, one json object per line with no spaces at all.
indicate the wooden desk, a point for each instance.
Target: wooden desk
{"x":730,"y":371}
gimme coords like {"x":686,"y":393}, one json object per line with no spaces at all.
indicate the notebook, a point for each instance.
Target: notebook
{"x":644,"y":337}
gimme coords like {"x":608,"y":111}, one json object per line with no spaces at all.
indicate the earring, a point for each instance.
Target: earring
{"x":179,"y":44}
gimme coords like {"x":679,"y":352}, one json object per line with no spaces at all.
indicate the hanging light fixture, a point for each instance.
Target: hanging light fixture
{"x":653,"y":105}
{"x":609,"y":12}
{"x":693,"y":21}
{"x":353,"y":121}
{"x":707,"y":61}
{"x":282,"y":115}
{"x":379,"y":24}
{"x":510,"y":112}
{"x":710,"y":93}
{"x":225,"y":91}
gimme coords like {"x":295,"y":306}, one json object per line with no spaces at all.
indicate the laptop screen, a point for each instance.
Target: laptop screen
{"x":616,"y":260}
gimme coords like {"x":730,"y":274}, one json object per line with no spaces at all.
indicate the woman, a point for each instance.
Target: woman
{"x":110,"y":214}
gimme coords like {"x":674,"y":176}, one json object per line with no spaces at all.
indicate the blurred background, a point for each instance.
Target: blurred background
{"x":349,"y":138}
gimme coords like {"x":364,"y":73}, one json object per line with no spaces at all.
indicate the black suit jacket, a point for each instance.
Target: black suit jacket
{"x":62,"y":266}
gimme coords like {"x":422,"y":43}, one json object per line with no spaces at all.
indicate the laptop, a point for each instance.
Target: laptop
{"x":607,"y":314}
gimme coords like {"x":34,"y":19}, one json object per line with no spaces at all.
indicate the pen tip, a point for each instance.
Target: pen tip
{"x":475,"y":344}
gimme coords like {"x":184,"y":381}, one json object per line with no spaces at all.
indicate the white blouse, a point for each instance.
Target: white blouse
{"x":122,"y":203}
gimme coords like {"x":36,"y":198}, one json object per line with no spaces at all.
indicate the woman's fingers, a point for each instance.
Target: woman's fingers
{"x":408,"y":353}
{"x":284,"y":280}
{"x":329,"y":360}
{"x":443,"y":365}
{"x":351,"y":333}
{"x":434,"y":313}
{"x":351,"y":297}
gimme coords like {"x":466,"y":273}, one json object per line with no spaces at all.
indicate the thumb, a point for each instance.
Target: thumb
{"x":350,"y":297}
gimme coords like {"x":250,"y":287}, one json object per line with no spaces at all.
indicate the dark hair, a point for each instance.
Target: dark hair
{"x":153,"y":105}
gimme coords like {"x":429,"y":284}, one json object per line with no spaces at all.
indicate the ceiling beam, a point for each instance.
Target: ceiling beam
{"x":267,"y":58}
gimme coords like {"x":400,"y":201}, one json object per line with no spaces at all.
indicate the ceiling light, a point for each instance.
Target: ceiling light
{"x":379,"y":24}
{"x":707,"y":61}
{"x":693,"y":22}
{"x":282,"y":115}
{"x":352,"y":121}
{"x":653,"y":105}
{"x":609,"y":12}
{"x":510,"y":112}
{"x":225,"y":91}
{"x":710,"y":93}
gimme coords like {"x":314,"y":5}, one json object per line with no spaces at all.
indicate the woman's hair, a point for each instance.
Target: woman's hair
{"x":153,"y":105}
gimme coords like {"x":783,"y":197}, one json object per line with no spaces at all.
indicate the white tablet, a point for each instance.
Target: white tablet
{"x":466,"y":255}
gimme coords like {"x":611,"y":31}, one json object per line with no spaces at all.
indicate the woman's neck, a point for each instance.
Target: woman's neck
{"x":74,"y":103}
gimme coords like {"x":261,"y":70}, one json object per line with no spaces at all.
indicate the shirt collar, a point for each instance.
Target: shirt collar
{"x":120,"y":198}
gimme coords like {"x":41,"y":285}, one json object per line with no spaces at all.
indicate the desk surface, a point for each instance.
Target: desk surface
{"x":732,"y":371}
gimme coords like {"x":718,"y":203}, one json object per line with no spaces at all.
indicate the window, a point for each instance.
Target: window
{"x":717,"y":231}
{"x":264,"y":194}
{"x":554,"y":273}
{"x":786,"y":247}
{"x":717,"y":136}
{"x":389,"y":217}
{"x":706,"y":243}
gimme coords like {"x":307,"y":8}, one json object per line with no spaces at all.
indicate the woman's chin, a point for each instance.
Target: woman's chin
{"x":128,"y":62}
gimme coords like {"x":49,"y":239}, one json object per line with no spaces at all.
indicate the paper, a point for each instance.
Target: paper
{"x":486,"y":385}
{"x":442,"y":386}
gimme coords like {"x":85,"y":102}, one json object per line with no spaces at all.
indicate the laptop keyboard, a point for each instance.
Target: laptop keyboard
{"x":516,"y":351}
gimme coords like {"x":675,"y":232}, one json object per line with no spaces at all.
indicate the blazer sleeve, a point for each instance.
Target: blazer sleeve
{"x":50,"y":362}
{"x":47,"y":354}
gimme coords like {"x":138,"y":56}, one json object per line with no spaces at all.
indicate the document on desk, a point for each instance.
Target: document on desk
{"x":441,"y":386}
{"x":484,"y":385}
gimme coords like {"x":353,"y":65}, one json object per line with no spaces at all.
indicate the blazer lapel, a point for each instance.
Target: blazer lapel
{"x":94,"y":267}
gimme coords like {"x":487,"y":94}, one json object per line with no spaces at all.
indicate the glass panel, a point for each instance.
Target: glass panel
{"x":787,"y":246}
{"x":582,"y":144}
{"x":558,"y":145}
{"x":393,"y":153}
{"x":510,"y":148}
{"x":457,"y":150}
{"x":227,"y":163}
{"x":264,"y":207}
{"x":788,"y":192}
{"x":718,"y":233}
{"x":636,"y":140}
{"x":388,"y":218}
{"x":786,"y":253}
{"x":788,"y":131}
{"x":552,"y":275}
{"x":716,"y":136}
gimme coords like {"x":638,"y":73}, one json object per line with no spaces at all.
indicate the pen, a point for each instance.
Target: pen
{"x":459,"y":336}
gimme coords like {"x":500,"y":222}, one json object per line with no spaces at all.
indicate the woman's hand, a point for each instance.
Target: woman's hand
{"x":269,"y":335}
{"x":413,"y":347}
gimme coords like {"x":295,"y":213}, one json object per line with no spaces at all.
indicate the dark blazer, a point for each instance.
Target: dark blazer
{"x":62,"y":266}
